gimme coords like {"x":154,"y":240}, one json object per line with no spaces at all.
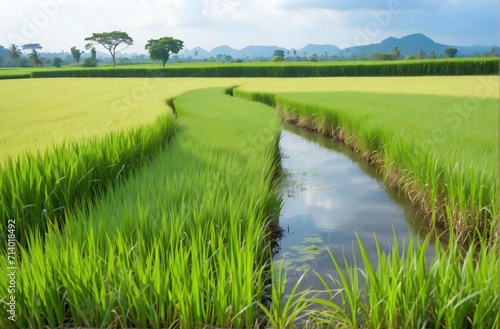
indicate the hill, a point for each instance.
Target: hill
{"x":411,"y":45}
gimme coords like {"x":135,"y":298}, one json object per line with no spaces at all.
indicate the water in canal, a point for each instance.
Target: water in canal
{"x":329,"y":197}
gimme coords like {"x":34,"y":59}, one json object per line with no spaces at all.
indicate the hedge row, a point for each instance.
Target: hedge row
{"x":399,"y":68}
{"x":15,"y":76}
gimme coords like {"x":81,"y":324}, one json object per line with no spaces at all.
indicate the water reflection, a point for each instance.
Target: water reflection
{"x":329,"y":198}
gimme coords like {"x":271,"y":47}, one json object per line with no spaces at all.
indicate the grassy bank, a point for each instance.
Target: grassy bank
{"x":181,"y":243}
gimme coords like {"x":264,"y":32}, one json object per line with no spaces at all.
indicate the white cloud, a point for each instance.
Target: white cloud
{"x":239,"y":23}
{"x":223,"y":10}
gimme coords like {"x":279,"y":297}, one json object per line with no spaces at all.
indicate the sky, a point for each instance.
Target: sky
{"x":60,"y":24}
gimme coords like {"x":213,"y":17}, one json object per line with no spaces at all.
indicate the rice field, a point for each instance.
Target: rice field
{"x":183,"y":237}
{"x":440,"y":150}
{"x":86,"y":141}
{"x":182,"y":243}
{"x":37,"y":114}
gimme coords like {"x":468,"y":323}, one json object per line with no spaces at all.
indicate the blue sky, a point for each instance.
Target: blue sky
{"x":60,"y":24}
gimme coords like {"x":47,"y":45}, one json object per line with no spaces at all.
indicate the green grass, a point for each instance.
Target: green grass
{"x":183,"y":242}
{"x":441,"y":151}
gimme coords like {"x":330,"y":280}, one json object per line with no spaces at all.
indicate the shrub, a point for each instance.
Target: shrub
{"x":57,"y":62}
{"x":89,"y":62}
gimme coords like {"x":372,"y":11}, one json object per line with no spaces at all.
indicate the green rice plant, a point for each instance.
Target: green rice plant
{"x":58,"y":152}
{"x":282,"y":310}
{"x":182,"y":243}
{"x":38,"y":190}
{"x":406,"y":290}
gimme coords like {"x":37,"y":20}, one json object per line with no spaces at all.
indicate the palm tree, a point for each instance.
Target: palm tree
{"x":35,"y":58}
{"x":396,"y":53}
{"x":421,"y":54}
{"x":14,"y":52}
{"x":433,"y":55}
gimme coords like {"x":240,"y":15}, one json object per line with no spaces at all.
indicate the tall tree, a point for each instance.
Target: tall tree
{"x":34,"y":58}
{"x":92,"y":60}
{"x":110,"y":41}
{"x":14,"y":52}
{"x":432,"y":55}
{"x":450,"y":52}
{"x":160,"y":49}
{"x":57,"y":62}
{"x":279,"y":53}
{"x":32,"y":46}
{"x":396,"y":53}
{"x":76,"y":53}
{"x":421,"y":54}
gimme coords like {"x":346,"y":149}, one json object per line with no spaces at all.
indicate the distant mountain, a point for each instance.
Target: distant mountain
{"x":225,"y":50}
{"x":250,"y":52}
{"x":319,"y":50}
{"x":259,"y":51}
{"x":196,"y":52}
{"x":476,"y":50}
{"x":411,"y":45}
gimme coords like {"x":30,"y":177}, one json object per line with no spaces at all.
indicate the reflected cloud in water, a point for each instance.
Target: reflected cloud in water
{"x":329,"y":195}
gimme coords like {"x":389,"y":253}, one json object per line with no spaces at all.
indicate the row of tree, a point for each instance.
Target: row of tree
{"x":33,"y":53}
{"x":449,"y":52}
{"x":159,"y":49}
{"x":114,"y":42}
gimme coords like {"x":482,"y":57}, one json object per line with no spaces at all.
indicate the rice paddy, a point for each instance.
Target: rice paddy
{"x":185,"y":238}
{"x":37,"y":114}
{"x":409,"y":136}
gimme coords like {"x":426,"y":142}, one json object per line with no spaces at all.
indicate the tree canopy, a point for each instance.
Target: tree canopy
{"x":279,"y":53}
{"x":396,"y":53}
{"x":14,"y":52}
{"x":57,"y":62}
{"x":160,"y":49}
{"x":35,"y":58}
{"x":76,"y":53}
{"x":450,"y":52}
{"x":110,"y":41}
{"x":32,"y":46}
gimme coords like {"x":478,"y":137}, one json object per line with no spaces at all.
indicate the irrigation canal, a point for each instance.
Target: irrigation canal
{"x":329,"y":196}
